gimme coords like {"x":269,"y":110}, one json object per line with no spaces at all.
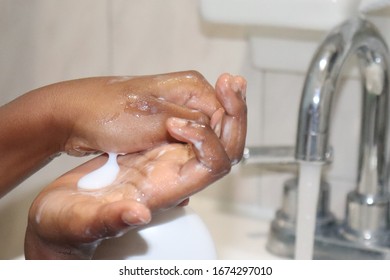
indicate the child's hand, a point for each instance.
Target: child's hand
{"x":128,"y":114}
{"x":68,"y":223}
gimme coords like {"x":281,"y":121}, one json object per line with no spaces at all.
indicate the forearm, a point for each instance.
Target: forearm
{"x":30,"y":137}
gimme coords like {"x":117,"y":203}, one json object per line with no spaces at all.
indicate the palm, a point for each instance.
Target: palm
{"x":154,"y":179}
{"x":149,"y":181}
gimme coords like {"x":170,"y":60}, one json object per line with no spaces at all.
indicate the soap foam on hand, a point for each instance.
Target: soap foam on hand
{"x":101,"y":177}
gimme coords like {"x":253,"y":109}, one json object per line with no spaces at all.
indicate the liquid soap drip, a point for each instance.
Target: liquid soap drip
{"x":101,"y":177}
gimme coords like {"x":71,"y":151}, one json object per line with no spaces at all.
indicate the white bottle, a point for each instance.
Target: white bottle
{"x":176,"y":234}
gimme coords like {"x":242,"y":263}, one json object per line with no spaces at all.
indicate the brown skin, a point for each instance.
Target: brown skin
{"x":115,"y":114}
{"x":69,"y":223}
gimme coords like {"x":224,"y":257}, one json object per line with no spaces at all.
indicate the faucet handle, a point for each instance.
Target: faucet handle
{"x":269,"y":155}
{"x":274,"y":155}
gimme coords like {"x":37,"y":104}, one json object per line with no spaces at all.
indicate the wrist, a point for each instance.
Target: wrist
{"x":53,"y":118}
{"x":32,"y":137}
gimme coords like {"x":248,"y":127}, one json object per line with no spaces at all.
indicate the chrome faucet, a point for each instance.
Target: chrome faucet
{"x":365,"y":231}
{"x":367,"y":214}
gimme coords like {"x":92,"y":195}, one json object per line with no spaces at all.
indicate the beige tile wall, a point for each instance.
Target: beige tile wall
{"x":44,"y":41}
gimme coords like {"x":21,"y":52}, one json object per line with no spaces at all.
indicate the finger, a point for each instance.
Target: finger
{"x":231,"y":93}
{"x":188,"y":89}
{"x":216,"y":121}
{"x":118,"y":217}
{"x":179,"y":111}
{"x":211,"y":161}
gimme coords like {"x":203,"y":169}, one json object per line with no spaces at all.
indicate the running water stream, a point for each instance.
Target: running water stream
{"x":308,"y":192}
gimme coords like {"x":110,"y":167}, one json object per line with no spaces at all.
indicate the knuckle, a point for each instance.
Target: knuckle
{"x":193,"y":75}
{"x":221,"y":167}
{"x":224,"y":168}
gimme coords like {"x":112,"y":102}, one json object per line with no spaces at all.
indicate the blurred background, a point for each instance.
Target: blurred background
{"x":46,"y":41}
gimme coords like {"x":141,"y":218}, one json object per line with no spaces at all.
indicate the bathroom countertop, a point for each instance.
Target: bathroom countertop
{"x":238,"y":237}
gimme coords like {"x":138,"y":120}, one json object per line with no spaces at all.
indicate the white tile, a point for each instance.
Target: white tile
{"x":345,"y":129}
{"x":166,"y":36}
{"x":292,"y":55}
{"x":70,"y":39}
{"x":46,"y":41}
{"x":255,"y":93}
{"x":281,"y":105}
{"x":16,"y":44}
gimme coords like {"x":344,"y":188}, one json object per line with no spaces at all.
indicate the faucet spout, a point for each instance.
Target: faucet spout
{"x":355,"y":38}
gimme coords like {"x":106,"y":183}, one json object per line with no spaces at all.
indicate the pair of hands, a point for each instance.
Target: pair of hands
{"x":179,"y":135}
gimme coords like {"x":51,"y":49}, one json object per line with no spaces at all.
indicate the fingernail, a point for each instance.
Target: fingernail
{"x":236,"y":86}
{"x":239,"y":86}
{"x":135,"y":219}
